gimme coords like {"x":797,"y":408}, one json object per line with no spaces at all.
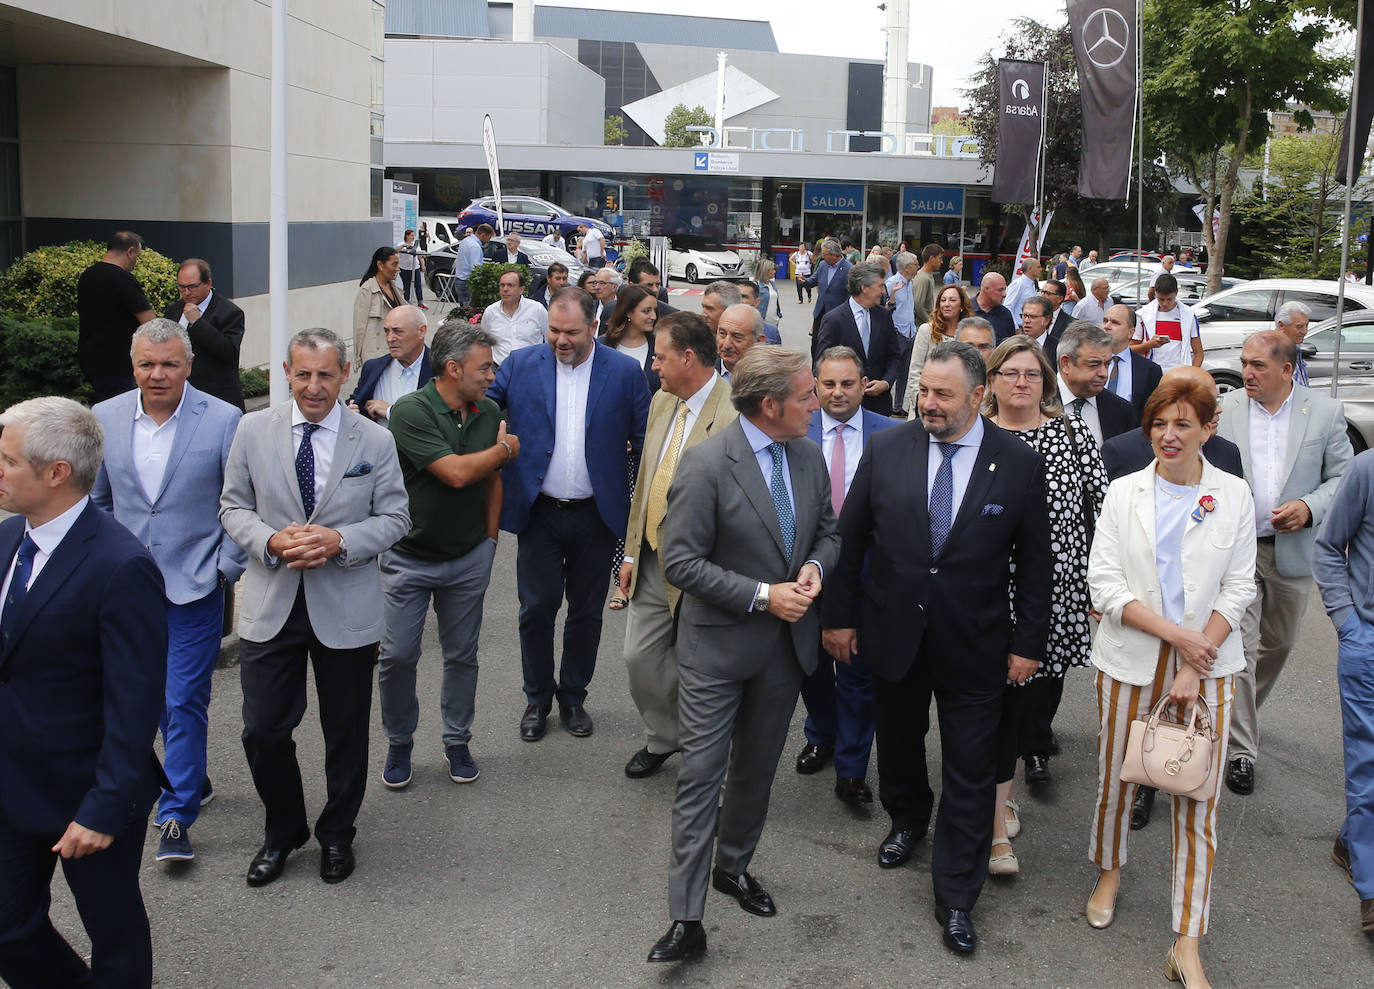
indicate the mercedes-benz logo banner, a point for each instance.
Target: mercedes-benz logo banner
{"x":1104,"y":40}
{"x":1020,"y":123}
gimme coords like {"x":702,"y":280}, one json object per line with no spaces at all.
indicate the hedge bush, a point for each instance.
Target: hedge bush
{"x":483,"y":289}
{"x":42,"y":284}
{"x":38,"y":357}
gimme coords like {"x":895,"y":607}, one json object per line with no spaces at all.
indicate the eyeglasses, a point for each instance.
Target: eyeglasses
{"x":1030,"y":377}
{"x":984,"y":347}
{"x":188,"y":288}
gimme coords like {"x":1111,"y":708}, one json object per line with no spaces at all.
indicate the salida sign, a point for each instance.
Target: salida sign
{"x":930,"y":200}
{"x":831,"y":197}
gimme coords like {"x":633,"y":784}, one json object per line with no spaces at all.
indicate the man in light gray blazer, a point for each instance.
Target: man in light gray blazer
{"x":1294,"y":449}
{"x":747,"y":537}
{"x":166,"y":444}
{"x":313,"y":492}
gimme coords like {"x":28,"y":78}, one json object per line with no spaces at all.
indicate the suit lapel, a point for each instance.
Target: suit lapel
{"x":750,"y":478}
{"x":284,"y":444}
{"x":1299,"y":414}
{"x":596,"y":382}
{"x":426,"y":370}
{"x":192,"y":414}
{"x":65,"y":558}
{"x":661,"y":416}
{"x":548,"y":378}
{"x":10,"y":536}
{"x":1144,"y":504}
{"x":1240,"y":409}
{"x":803,"y":507}
{"x":984,"y":470}
{"x":345,"y":453}
{"x":119,"y":455}
{"x":919,"y":472}
{"x":856,"y":339}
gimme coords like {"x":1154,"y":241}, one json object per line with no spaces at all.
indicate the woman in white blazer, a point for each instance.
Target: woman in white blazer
{"x":1172,"y":571}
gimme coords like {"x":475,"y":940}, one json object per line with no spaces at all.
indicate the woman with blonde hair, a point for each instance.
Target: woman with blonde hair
{"x":951,"y":305}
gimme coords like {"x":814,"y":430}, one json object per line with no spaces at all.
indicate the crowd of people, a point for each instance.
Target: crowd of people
{"x":1068,"y":493}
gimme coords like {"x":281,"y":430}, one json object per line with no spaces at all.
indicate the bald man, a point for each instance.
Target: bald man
{"x":402,"y":370}
{"x":1095,"y":306}
{"x":992,"y":290}
{"x":740,"y":327}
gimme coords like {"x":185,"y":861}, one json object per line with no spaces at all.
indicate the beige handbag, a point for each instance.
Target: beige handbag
{"x":1172,"y":757}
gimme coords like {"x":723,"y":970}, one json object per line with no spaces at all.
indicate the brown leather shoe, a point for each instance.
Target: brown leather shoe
{"x":1367,"y":916}
{"x":1341,"y":856}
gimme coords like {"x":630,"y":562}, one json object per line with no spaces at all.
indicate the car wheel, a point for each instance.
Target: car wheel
{"x":1356,"y":440}
{"x":1227,"y":381}
{"x":691,"y":274}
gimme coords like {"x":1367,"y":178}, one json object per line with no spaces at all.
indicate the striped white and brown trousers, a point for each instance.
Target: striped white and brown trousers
{"x":1194,"y":821}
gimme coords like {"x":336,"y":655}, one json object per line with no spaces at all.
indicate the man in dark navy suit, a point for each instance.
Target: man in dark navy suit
{"x":1130,"y":376}
{"x":831,"y":278}
{"x":403,"y":369}
{"x":867,"y":329}
{"x":939,"y":511}
{"x":509,"y":253}
{"x":839,"y":696}
{"x":83,"y":665}
{"x":215,"y":325}
{"x":579,"y":408}
{"x":1082,"y":359}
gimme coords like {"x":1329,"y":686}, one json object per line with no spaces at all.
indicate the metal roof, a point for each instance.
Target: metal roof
{"x":438,"y":18}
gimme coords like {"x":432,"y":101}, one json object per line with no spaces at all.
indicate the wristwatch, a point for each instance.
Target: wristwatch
{"x":761,"y":598}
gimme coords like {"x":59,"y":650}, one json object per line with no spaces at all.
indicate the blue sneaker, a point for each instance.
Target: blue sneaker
{"x":396,"y":772}
{"x":461,"y":767}
{"x":175,"y":844}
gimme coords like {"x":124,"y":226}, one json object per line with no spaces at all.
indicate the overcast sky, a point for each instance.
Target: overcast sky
{"x":949,"y":37}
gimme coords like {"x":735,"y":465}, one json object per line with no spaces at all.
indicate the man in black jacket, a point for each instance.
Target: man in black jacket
{"x":216,"y":328}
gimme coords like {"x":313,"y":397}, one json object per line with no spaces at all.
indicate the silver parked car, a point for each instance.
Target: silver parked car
{"x":1318,"y":350}
{"x":1231,"y":315}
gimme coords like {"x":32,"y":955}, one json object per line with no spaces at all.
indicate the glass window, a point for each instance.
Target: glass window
{"x":1248,"y":306}
{"x":1322,"y":304}
{"x":884,"y":201}
{"x":787,"y":213}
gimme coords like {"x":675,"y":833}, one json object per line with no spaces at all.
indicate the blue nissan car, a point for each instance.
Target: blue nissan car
{"x":529,"y":217}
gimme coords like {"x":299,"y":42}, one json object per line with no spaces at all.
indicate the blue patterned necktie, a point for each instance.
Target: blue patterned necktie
{"x":942,"y":499}
{"x":19,"y":584}
{"x":777,"y":487}
{"x":305,"y":469}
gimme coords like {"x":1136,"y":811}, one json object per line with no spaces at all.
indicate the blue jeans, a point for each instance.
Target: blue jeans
{"x":457,"y":588}
{"x":193,"y":637}
{"x":460,"y":291}
{"x":1355,"y":672}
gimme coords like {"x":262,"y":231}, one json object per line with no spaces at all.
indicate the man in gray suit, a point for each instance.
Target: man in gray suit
{"x":166,"y":444}
{"x":313,"y":492}
{"x":1294,"y":449}
{"x":747,"y":537}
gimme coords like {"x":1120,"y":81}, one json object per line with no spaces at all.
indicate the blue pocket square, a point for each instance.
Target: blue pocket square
{"x":359,"y":470}
{"x":991,"y":510}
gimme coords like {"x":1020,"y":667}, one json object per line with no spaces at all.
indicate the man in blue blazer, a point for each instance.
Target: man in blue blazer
{"x":839,"y":696}
{"x":830,"y":277}
{"x":867,"y":329}
{"x":83,"y":653}
{"x":580,"y":409}
{"x":1131,"y":375}
{"x":166,"y":444}
{"x":402,"y":370}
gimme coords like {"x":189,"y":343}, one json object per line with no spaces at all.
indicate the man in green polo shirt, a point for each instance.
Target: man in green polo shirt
{"x":452,"y":445}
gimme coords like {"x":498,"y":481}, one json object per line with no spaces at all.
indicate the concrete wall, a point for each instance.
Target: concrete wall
{"x":536,"y":94}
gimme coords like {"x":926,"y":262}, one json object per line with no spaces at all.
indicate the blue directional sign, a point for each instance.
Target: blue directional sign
{"x":832,"y":197}
{"x":932,"y":200}
{"x":701,"y":161}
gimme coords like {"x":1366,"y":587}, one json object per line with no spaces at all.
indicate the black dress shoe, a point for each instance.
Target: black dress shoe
{"x":896,"y":848}
{"x":268,"y":863}
{"x":959,"y":933}
{"x":812,"y":758}
{"x":1054,"y":744}
{"x":1037,"y":769}
{"x":645,"y":763}
{"x":1240,"y":776}
{"x":534,"y":722}
{"x":575,"y":719}
{"x":336,"y":863}
{"x":685,"y":939}
{"x":1141,"y":806}
{"x":746,"y":889}
{"x":853,"y":790}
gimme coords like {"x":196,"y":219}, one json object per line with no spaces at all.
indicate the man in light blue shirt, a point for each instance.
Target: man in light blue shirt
{"x":899,"y":289}
{"x":470,"y":255}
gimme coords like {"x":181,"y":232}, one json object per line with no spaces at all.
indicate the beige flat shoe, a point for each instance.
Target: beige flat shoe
{"x":1102,"y":918}
{"x":1004,"y":864}
{"x":1013,"y":818}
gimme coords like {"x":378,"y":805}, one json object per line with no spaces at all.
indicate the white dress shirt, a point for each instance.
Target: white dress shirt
{"x":1090,"y":309}
{"x":46,"y":537}
{"x":1268,"y":451}
{"x":694,"y":406}
{"x":1023,"y":287}
{"x":1090,"y":414}
{"x":861,"y":321}
{"x":529,"y":325}
{"x":556,"y":240}
{"x":567,"y":477}
{"x":1124,"y":380}
{"x":203,"y":305}
{"x":322,"y":442}
{"x":853,"y":442}
{"x":152,"y":446}
{"x":397,"y":379}
{"x":961,"y":463}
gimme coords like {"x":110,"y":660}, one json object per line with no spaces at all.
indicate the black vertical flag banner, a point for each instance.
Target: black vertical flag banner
{"x":1021,"y":113}
{"x":1363,"y":100}
{"x":1104,"y":46}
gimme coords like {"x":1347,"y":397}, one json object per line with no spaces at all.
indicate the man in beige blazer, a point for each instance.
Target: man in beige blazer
{"x":692,"y":404}
{"x":1294,"y":449}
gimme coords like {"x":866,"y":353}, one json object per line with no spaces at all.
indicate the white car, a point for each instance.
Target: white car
{"x":1231,"y":315}
{"x":698,"y":259}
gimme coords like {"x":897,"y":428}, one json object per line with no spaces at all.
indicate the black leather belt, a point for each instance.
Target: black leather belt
{"x":567,"y":502}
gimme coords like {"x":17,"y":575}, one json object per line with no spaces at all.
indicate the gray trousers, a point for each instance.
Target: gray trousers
{"x":650,"y":658}
{"x":457,"y":588}
{"x":1268,"y":631}
{"x":739,"y":725}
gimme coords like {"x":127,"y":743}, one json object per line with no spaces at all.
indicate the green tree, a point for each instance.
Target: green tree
{"x":615,"y":129}
{"x":675,"y":132}
{"x":1213,"y":71}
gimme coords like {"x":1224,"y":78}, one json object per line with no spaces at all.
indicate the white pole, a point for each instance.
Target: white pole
{"x":277,"y":211}
{"x":1040,"y":177}
{"x":1140,"y":145}
{"x":721,"y":58}
{"x":1351,"y":175}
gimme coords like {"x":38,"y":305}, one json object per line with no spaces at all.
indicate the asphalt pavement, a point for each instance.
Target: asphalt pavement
{"x":551,"y":869}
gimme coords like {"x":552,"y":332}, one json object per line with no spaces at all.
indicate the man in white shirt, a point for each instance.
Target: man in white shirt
{"x":514,"y":320}
{"x":1024,"y":286}
{"x":1294,"y":449}
{"x":1167,"y":332}
{"x":512,"y":253}
{"x":592,"y":249}
{"x":556,"y":239}
{"x":1094,"y":307}
{"x":403,"y":369}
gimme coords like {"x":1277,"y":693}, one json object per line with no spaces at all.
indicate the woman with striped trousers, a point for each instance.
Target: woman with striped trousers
{"x":1172,"y":572}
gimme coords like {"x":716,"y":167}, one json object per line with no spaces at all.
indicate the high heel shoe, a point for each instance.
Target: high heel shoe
{"x":1099,"y":918}
{"x":1172,"y":972}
